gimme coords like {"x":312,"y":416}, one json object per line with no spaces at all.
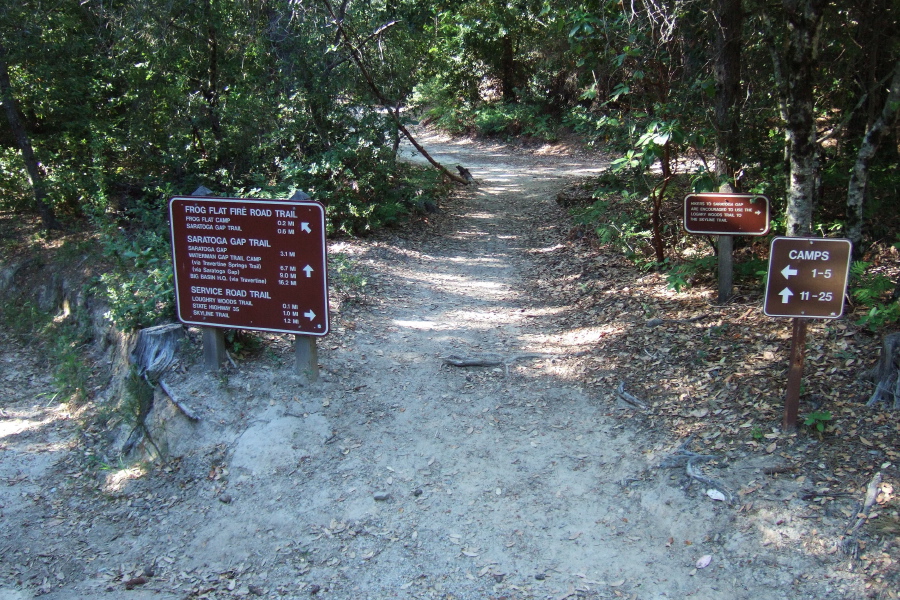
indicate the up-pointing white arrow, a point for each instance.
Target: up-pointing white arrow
{"x":788,"y":271}
{"x":310,"y":315}
{"x":308,"y":270}
{"x":305,"y":227}
{"x":785,"y":295}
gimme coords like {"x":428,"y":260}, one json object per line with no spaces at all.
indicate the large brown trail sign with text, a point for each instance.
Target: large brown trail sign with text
{"x":250,"y":264}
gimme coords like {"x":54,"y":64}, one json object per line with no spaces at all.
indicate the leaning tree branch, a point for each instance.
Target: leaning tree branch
{"x":356,"y":57}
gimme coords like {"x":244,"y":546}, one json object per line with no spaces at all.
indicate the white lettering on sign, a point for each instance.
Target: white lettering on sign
{"x":808,"y":254}
{"x":195,"y":289}
{"x":205,"y":239}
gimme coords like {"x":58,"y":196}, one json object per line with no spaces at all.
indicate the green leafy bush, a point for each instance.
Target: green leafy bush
{"x":874,"y":291}
{"x":817,"y":420}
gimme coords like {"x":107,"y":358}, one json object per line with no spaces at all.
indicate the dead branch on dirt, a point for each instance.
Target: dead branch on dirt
{"x":488,"y":360}
{"x":850,"y":544}
{"x":886,"y":373}
{"x":630,"y":398}
{"x":689,"y":460}
{"x":184,"y":409}
{"x":357,"y":58}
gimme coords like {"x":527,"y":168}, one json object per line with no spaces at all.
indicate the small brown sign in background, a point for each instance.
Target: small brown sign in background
{"x":250,"y":264}
{"x":807,"y":277}
{"x":726,"y":214}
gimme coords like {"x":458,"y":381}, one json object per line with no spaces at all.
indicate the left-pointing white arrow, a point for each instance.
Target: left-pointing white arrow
{"x":305,"y":227}
{"x":788,"y":271}
{"x":308,"y":270}
{"x":785,"y":295}
{"x":310,"y":315}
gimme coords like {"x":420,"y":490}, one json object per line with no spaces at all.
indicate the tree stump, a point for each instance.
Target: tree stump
{"x":155,"y":349}
{"x":886,"y":373}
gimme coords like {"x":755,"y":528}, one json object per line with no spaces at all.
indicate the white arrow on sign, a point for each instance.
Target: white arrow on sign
{"x":788,"y":271}
{"x":305,"y":227}
{"x":785,"y":295}
{"x":310,"y":315}
{"x":308,"y":270}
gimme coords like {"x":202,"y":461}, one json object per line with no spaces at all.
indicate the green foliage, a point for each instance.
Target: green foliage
{"x":817,"y":420}
{"x":137,"y":400}
{"x":64,"y":338}
{"x":241,"y":342}
{"x":139,"y":287}
{"x":347,"y":279}
{"x":619,"y":217}
{"x":874,"y":291}
{"x":682,"y":275}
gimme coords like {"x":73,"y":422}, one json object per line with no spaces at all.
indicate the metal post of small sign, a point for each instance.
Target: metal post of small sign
{"x":213,"y":337}
{"x":795,"y":375}
{"x":306,"y":354}
{"x":726,"y":267}
{"x":807,"y":279}
{"x":726,"y":258}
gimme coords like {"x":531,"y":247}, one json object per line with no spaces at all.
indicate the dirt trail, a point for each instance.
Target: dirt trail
{"x":395,"y":476}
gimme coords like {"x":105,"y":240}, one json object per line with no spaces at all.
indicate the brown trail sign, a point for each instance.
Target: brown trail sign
{"x":250,"y":264}
{"x":726,"y":214}
{"x":807,"y":279}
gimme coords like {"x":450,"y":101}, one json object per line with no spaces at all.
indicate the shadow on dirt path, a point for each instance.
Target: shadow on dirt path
{"x":398,"y":476}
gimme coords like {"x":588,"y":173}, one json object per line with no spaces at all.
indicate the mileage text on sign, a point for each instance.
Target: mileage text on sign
{"x":250,"y":264}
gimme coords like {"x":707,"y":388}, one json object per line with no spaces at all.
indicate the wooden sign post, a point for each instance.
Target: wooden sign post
{"x":213,"y":337}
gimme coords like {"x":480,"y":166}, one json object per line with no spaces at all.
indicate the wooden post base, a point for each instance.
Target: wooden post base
{"x":306,"y":357}
{"x":213,"y":347}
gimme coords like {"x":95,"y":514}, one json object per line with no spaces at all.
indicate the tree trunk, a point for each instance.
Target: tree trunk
{"x":886,"y":374}
{"x":32,"y":166}
{"x":508,"y":79}
{"x":859,"y":178}
{"x":729,"y":21}
{"x":804,"y":24}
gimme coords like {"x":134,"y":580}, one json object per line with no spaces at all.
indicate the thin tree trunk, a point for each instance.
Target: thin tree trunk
{"x":729,"y":21}
{"x":32,"y":166}
{"x":804,"y":23}
{"x":856,"y":190}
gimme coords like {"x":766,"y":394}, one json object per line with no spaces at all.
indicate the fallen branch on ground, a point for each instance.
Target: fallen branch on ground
{"x":184,"y":409}
{"x":688,"y":459}
{"x":488,"y":360}
{"x":630,"y":398}
{"x":849,"y":544}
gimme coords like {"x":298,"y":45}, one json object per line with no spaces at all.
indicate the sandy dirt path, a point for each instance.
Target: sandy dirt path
{"x":395,"y":476}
